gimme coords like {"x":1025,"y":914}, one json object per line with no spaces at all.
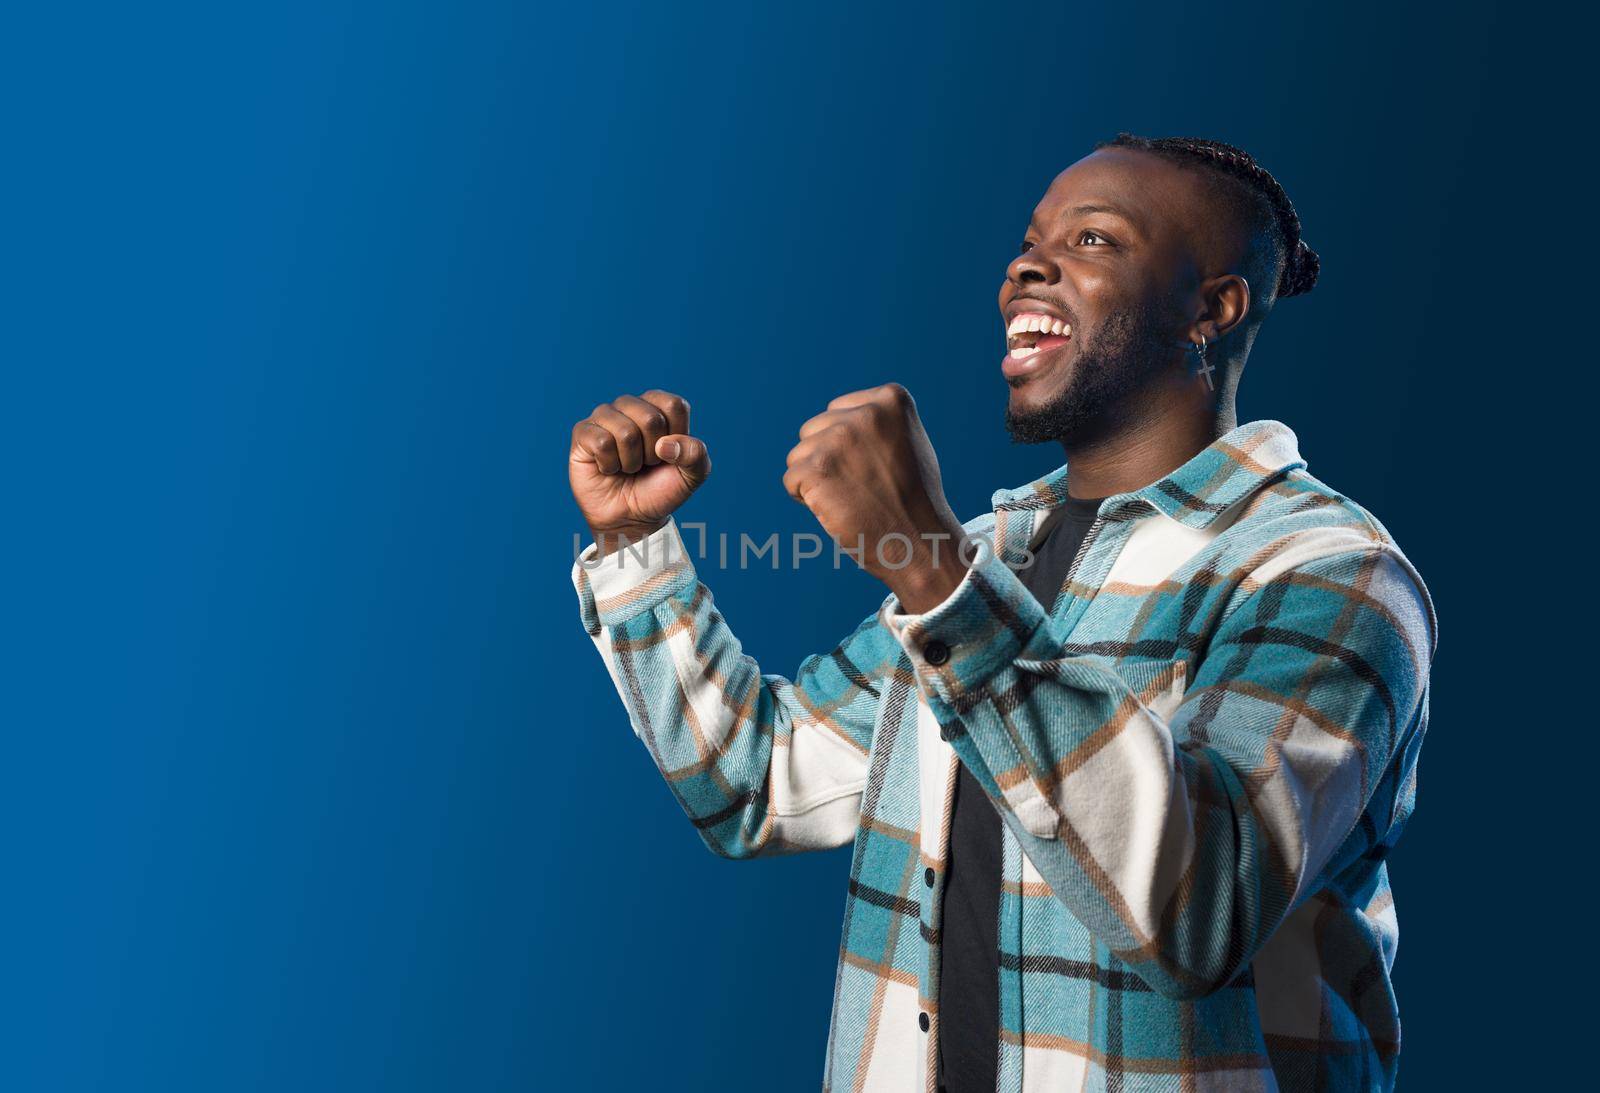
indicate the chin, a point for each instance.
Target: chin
{"x":1033,"y":392}
{"x":1044,"y":408}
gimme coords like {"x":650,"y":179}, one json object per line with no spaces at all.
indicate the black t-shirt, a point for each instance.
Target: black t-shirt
{"x":969,"y":977}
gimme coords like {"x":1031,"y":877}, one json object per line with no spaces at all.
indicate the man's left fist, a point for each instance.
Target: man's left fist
{"x":866,"y":470}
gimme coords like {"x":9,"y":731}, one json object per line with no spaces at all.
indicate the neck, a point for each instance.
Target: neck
{"x":1142,"y":448}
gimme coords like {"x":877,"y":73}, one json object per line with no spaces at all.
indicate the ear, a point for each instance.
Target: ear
{"x":1225,"y":301}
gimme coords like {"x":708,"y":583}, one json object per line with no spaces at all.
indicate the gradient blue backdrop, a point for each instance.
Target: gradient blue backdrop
{"x":312,"y":778}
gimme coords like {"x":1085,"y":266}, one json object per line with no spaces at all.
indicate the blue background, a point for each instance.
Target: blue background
{"x":312,"y":778}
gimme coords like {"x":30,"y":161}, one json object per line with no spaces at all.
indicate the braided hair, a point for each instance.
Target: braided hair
{"x":1251,"y":194}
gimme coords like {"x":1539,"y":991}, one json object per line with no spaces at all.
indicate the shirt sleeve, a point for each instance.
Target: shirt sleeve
{"x":1181,"y":805}
{"x":761,"y":764}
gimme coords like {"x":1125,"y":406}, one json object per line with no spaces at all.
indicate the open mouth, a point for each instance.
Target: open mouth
{"x":1033,"y":332}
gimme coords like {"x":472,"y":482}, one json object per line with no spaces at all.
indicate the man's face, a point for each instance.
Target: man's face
{"x":1106,"y":254}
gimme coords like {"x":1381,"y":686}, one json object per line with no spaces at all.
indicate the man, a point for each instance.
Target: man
{"x":1121,"y":759}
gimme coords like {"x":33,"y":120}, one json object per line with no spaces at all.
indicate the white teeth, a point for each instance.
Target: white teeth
{"x":1029,"y":320}
{"x":1022,"y":352}
{"x":1033,"y":321}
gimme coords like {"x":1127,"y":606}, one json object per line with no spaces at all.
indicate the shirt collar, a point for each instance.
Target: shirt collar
{"x":1216,"y":478}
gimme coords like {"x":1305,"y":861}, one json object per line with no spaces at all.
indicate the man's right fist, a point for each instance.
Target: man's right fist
{"x":632,"y":464}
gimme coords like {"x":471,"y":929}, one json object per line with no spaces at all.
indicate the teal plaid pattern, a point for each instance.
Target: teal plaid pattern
{"x":1202,"y":753}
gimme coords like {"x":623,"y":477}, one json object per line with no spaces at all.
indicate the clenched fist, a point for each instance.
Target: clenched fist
{"x":632,"y":464}
{"x":866,"y":470}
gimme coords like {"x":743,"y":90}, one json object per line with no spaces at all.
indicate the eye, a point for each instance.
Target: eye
{"x":1102,"y":241}
{"x":1026,"y":247}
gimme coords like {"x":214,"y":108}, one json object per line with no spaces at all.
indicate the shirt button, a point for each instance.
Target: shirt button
{"x":927,"y":876}
{"x":936,"y":652}
{"x":922,"y":1021}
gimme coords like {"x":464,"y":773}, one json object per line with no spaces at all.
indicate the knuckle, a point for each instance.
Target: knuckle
{"x":895,"y":394}
{"x":668,"y":400}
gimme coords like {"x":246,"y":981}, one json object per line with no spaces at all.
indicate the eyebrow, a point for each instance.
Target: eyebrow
{"x":1084,"y":210}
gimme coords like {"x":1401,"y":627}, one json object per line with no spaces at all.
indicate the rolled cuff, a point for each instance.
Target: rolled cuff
{"x":984,"y":625}
{"x":632,"y":580}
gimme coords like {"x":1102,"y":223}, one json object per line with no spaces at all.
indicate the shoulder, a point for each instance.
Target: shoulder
{"x":1299,"y":527}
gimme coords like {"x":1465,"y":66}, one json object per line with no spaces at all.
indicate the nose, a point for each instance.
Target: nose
{"x":1033,"y":266}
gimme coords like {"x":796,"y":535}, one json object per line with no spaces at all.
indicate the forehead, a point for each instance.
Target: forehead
{"x":1159,"y":197}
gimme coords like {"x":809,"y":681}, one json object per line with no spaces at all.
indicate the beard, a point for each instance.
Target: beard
{"x":1111,"y":368}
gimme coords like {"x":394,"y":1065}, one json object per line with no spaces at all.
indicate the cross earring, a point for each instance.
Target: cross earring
{"x":1205,"y":368}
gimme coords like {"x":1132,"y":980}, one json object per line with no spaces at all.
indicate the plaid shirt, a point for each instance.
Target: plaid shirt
{"x":1201,"y":756}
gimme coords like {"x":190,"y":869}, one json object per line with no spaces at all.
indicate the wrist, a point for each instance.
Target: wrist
{"x":615,"y":537}
{"x":923,"y":591}
{"x":933,"y":574}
